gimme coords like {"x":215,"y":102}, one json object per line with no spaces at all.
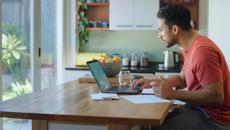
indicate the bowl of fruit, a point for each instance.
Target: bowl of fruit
{"x":110,"y":65}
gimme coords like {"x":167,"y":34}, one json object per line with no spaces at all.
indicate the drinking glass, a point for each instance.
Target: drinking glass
{"x":124,"y":78}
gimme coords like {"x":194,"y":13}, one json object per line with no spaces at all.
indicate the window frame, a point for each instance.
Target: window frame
{"x":35,"y":43}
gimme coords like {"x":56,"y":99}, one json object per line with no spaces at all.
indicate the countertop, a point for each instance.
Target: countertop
{"x":152,"y":68}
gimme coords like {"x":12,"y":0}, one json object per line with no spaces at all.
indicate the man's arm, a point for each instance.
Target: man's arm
{"x":176,"y":81}
{"x":211,"y":95}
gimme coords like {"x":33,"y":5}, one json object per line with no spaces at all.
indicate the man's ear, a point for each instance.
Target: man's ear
{"x":175,"y":29}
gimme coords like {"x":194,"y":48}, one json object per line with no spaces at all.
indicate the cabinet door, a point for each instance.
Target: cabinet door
{"x":121,"y":14}
{"x":145,"y":14}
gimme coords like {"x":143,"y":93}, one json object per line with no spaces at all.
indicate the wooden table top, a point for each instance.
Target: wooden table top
{"x":71,"y":102}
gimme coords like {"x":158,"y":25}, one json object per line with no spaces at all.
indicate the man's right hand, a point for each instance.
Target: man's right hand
{"x":144,"y":83}
{"x":155,"y":82}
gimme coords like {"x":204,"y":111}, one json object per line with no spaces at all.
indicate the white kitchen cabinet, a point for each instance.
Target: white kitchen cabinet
{"x":121,"y":14}
{"x":145,"y":14}
{"x":133,"y":14}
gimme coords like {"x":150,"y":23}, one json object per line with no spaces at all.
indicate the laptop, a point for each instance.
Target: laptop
{"x":103,"y":82}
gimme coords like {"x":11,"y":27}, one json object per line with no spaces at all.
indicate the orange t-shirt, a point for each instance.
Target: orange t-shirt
{"x":205,"y":64}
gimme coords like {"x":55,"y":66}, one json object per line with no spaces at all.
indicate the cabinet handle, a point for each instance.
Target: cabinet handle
{"x":124,"y":26}
{"x":144,"y":25}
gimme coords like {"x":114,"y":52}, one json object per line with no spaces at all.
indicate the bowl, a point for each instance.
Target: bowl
{"x":111,"y":69}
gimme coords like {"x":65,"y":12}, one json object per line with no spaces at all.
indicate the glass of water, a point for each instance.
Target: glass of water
{"x":124,"y":78}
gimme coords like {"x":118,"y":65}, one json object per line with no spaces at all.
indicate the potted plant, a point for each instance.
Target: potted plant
{"x":83,"y":35}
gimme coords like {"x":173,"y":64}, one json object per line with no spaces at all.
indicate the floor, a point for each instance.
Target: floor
{"x":17,"y":125}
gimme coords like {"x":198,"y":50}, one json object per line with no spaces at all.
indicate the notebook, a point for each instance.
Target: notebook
{"x":103,"y":82}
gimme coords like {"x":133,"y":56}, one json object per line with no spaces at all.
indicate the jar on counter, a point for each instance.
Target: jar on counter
{"x":134,"y":60}
{"x":144,"y":59}
{"x":125,"y":60}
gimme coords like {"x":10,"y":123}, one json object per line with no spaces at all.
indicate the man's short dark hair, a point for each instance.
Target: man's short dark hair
{"x":176,"y":15}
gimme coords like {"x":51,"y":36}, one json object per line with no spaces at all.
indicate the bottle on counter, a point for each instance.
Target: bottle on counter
{"x":125,"y":60}
{"x":134,"y":60}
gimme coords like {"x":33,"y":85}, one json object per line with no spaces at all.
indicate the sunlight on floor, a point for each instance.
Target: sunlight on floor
{"x":17,"y":125}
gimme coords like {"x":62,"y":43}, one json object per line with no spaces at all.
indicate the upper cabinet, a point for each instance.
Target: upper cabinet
{"x":121,"y":14}
{"x":133,"y":14}
{"x":192,"y":5}
{"x":145,"y":12}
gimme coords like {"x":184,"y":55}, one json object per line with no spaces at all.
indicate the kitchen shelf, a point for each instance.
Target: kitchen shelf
{"x":97,"y":29}
{"x":97,"y":12}
{"x":98,"y":4}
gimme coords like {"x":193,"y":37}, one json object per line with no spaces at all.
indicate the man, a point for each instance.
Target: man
{"x":205,"y":74}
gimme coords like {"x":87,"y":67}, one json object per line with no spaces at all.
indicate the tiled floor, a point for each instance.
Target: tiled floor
{"x":12,"y":125}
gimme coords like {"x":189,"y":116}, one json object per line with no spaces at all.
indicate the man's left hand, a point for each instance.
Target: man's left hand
{"x":164,"y":90}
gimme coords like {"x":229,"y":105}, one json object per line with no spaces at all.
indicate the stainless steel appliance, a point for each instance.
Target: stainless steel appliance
{"x":170,"y":59}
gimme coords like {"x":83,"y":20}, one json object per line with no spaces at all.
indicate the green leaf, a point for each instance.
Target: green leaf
{"x":82,"y":14}
{"x":84,"y":6}
{"x":85,"y":20}
{"x":21,"y":48}
{"x":16,"y":55}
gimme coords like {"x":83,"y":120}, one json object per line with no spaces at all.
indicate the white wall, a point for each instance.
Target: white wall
{"x":66,"y":43}
{"x":218,"y":26}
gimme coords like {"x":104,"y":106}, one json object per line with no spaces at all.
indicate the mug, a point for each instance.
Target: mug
{"x":97,"y":24}
{"x":104,"y":24}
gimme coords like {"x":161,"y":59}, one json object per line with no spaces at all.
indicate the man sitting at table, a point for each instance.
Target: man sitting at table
{"x":205,"y":73}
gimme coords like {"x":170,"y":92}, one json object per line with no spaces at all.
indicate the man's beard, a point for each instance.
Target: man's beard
{"x":171,"y":43}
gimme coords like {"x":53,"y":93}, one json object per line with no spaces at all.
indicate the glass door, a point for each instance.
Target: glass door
{"x":48,"y":43}
{"x":28,"y":51}
{"x":16,"y":21}
{"x":16,"y":55}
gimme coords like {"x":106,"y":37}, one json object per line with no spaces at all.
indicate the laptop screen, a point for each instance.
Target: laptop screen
{"x":99,"y":75}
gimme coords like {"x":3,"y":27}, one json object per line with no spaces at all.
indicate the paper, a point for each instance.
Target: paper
{"x":104,"y":96}
{"x":147,"y":91}
{"x":178,"y":102}
{"x":139,"y":99}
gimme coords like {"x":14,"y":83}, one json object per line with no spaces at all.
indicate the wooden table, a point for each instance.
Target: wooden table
{"x":71,"y":103}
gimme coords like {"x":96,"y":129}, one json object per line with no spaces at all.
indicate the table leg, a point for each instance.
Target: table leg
{"x":39,"y":125}
{"x":1,"y":124}
{"x":118,"y":127}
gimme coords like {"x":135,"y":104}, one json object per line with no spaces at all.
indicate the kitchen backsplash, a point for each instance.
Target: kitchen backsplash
{"x":113,"y":42}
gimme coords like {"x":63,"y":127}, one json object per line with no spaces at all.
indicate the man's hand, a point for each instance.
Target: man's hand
{"x":155,"y":82}
{"x":164,"y":88}
{"x":143,"y":82}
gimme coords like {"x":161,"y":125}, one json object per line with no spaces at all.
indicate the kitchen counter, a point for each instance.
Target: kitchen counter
{"x":152,"y":68}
